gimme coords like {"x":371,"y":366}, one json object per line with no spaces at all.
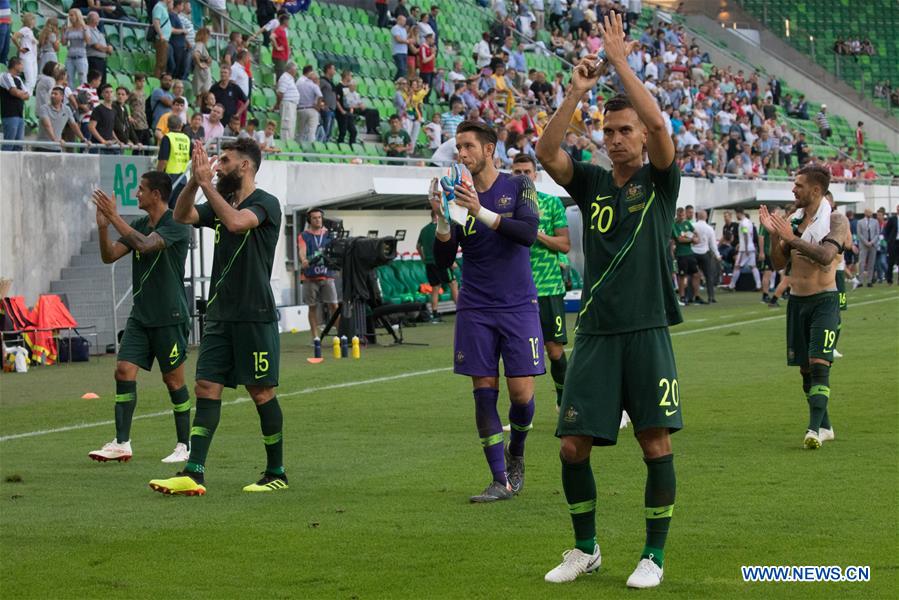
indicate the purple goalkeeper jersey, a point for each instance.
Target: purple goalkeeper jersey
{"x":496,"y":266}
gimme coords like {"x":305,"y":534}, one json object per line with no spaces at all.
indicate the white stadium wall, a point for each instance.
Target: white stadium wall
{"x":45,"y":209}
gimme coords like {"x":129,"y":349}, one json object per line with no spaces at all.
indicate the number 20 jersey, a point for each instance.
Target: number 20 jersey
{"x":626,"y":232}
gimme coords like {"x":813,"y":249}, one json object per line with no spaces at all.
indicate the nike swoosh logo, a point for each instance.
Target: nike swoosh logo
{"x":536,"y":362}
{"x":601,"y":198}
{"x":669,"y":413}
{"x":662,"y":512}
{"x":261,"y":376}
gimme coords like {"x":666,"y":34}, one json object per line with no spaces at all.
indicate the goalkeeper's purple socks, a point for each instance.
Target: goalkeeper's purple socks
{"x":520,"y":418}
{"x":490,"y":430}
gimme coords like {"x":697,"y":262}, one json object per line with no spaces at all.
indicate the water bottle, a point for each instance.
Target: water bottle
{"x":317,"y":348}
{"x":335,"y":345}
{"x":343,"y":347}
{"x":357,"y":351}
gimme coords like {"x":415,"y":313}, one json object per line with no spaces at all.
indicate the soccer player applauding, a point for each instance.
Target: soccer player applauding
{"x":622,"y":357}
{"x":497,"y":312}
{"x":240,"y":344}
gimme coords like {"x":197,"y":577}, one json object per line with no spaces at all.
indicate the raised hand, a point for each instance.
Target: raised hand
{"x":614,"y":44}
{"x":201,"y":165}
{"x":467,"y":198}
{"x":105,"y":205}
{"x":585,"y":75}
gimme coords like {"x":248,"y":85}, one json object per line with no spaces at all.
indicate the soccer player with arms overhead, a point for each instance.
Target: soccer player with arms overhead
{"x":552,"y":243}
{"x":159,"y":322}
{"x":240,"y":344}
{"x":496,"y":315}
{"x":810,"y":245}
{"x":622,"y":357}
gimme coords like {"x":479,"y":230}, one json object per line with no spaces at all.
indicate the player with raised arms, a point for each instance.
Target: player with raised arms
{"x":496,"y":315}
{"x":159,"y":322}
{"x":240,"y":344}
{"x":810,"y":245}
{"x":622,"y":356}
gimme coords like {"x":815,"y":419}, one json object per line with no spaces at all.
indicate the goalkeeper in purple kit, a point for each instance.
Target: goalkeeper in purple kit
{"x":497,"y":314}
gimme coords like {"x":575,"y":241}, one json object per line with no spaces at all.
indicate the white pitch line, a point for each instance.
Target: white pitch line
{"x":312,"y":390}
{"x":29,"y":434}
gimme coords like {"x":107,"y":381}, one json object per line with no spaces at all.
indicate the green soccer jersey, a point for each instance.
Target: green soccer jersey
{"x":242,"y":263}
{"x":545,"y":263}
{"x":626,"y":231}
{"x":677,"y":230}
{"x":157,"y":278}
{"x":426,"y":243}
{"x":766,"y":245}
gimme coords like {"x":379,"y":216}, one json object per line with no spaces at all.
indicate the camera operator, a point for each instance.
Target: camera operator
{"x":317,"y":279}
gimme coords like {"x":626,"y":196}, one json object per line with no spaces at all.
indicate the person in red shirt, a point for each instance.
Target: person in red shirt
{"x":836,"y":169}
{"x":280,"y":45}
{"x":859,"y":140}
{"x":427,"y":61}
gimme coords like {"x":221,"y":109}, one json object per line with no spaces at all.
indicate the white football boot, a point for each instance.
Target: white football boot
{"x":574,"y":564}
{"x":811,"y":440}
{"x":112,"y":451}
{"x":179,"y":454}
{"x":825,"y":435}
{"x":646,"y":575}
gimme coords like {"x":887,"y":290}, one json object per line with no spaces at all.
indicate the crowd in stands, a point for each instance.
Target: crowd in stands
{"x":723,"y":123}
{"x":854,"y":47}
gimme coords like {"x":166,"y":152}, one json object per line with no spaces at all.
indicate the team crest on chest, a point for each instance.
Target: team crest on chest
{"x":504,"y":202}
{"x":633,"y":192}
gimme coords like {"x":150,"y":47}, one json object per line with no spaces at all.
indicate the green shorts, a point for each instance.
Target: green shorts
{"x":609,"y":373}
{"x":813,"y":327}
{"x":841,"y":289}
{"x":240,"y":353}
{"x":552,"y":318}
{"x":167,"y":344}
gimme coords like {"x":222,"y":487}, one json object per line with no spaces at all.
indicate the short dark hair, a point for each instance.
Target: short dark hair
{"x":308,"y":69}
{"x":13,"y":62}
{"x":49,"y":69}
{"x":122,"y":87}
{"x":246,"y":147}
{"x":817,"y":175}
{"x":157,"y":181}
{"x":617,"y":103}
{"x":522,"y":157}
{"x":689,"y":206}
{"x":328,"y":66}
{"x":59,"y":89}
{"x":93,"y":74}
{"x":104,"y":87}
{"x":485,"y":134}
{"x":254,"y":122}
{"x":140,"y":77}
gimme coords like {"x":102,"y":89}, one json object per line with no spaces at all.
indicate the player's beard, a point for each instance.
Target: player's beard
{"x":228,"y":184}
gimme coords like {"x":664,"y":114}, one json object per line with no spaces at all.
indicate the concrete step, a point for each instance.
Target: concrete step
{"x":99,"y":272}
{"x":90,"y":248}
{"x":99,"y":296}
{"x":100,"y":287}
{"x":89,"y":259}
{"x":92,"y":309}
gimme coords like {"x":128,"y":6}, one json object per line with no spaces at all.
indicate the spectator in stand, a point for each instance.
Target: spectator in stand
{"x":233,"y":129}
{"x":266,"y":138}
{"x":54,"y":118}
{"x":400,"y":46}
{"x":235,"y":45}
{"x":434,"y":132}
{"x":176,"y":63}
{"x":179,"y":109}
{"x":309,"y":104}
{"x":217,"y":12}
{"x":397,"y":142}
{"x":12,"y":102}
{"x":329,"y":98}
{"x":242,"y":77}
{"x":800,"y":111}
{"x":372,"y":117}
{"x":97,"y":49}
{"x":76,"y":38}
{"x":26,"y":42}
{"x":432,"y":21}
{"x":281,"y":46}
{"x":202,"y":77}
{"x":824,"y":129}
{"x":137,"y":106}
{"x":102,"y":123}
{"x":212,"y":123}
{"x":346,"y":117}
{"x":162,"y":30}
{"x":481,"y":52}
{"x":229,"y":94}
{"x":451,"y":119}
{"x":123,"y":129}
{"x":194,"y":130}
{"x":859,"y":140}
{"x":45,"y":84}
{"x":427,"y":59}
{"x":88,"y":98}
{"x":287,"y":99}
{"x":48,"y":43}
{"x":800,"y":147}
{"x":161,"y":100}
{"x":381,"y":8}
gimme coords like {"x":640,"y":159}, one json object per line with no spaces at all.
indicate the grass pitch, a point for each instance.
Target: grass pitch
{"x":382,"y":455}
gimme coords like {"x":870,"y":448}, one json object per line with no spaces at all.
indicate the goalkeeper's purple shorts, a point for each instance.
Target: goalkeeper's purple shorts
{"x":482,"y":338}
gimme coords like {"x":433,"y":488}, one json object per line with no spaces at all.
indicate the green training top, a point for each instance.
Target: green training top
{"x":626,"y":230}
{"x":767,"y":243}
{"x":426,"y":243}
{"x":157,"y":278}
{"x":242,"y":263}
{"x":545,"y":263}
{"x":682,"y":248}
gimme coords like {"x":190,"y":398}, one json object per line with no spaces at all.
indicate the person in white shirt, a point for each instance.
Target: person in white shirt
{"x":434,"y":132}
{"x":482,"y":50}
{"x":457,"y":74}
{"x":652,"y":68}
{"x":746,"y":252}
{"x":686,"y":138}
{"x":27,"y":44}
{"x":288,"y":99}
{"x":725,"y":119}
{"x":445,"y":153}
{"x":239,"y":74}
{"x":706,"y":251}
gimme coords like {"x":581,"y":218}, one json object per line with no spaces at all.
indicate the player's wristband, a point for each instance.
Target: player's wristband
{"x":443,"y":228}
{"x":487,"y":217}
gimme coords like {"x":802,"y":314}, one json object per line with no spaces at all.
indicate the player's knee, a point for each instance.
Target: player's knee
{"x":655,"y":442}
{"x":173,"y":380}
{"x":573,"y":451}
{"x":260,"y":395}
{"x":204,"y":389}
{"x":123,"y":373}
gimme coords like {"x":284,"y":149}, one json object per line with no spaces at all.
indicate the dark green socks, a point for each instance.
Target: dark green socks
{"x":272,"y":422}
{"x":181,"y":408}
{"x":818,"y":394}
{"x":580,"y":492}
{"x":557,"y":370}
{"x":659,"y":500}
{"x":206,"y":419}
{"x":125,"y":401}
